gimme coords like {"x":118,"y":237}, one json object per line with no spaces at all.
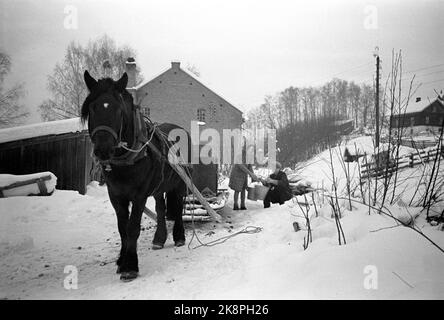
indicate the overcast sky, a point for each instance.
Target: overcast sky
{"x":243,"y":49}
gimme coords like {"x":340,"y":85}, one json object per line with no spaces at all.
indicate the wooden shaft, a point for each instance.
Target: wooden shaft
{"x":150,"y":213}
{"x":181,"y":172}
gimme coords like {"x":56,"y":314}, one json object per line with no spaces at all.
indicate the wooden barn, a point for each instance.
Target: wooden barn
{"x":62,"y":147}
{"x":421,"y":117}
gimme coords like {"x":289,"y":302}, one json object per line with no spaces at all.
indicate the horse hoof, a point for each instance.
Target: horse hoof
{"x":179,"y":243}
{"x":128,"y":276}
{"x":157,"y":246}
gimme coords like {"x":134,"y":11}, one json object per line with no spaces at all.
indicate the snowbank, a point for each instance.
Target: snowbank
{"x":42,"y":235}
{"x":39,"y":236}
{"x":365,"y":145}
{"x":48,"y":178}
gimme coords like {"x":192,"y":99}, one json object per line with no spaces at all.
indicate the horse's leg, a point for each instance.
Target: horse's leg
{"x":121,"y":207}
{"x":161,"y":230}
{"x":130,"y":265}
{"x":175,"y":207}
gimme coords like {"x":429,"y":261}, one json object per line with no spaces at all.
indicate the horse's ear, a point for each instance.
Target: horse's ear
{"x":91,"y":83}
{"x":122,"y":82}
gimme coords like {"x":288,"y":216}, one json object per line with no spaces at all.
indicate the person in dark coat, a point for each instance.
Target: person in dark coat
{"x":279,"y":187}
{"x":239,"y":181}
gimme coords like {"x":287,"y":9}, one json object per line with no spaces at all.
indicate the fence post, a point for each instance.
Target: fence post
{"x":411,"y":161}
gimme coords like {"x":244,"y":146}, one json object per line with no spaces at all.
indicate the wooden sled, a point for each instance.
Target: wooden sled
{"x":189,"y":183}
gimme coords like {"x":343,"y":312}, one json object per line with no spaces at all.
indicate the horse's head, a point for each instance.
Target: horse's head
{"x":107,"y":110}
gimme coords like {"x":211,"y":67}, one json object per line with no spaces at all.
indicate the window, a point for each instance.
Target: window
{"x":146,"y":111}
{"x":427,"y":120}
{"x":201,"y":115}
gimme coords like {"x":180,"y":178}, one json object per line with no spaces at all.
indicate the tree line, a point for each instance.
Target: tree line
{"x":304,"y":118}
{"x":337,"y":99}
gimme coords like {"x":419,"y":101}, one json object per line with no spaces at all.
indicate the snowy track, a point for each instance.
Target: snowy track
{"x":39,"y":236}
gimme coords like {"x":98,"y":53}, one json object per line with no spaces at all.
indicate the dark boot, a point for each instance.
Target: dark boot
{"x":242,"y":207}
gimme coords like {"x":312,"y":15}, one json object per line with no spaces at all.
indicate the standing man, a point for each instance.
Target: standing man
{"x":239,"y":180}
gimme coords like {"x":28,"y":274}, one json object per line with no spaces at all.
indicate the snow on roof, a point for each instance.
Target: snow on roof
{"x":420,"y":105}
{"x":41,"y":129}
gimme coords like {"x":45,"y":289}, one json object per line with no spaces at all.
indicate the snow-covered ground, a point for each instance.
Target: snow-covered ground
{"x":40,"y":236}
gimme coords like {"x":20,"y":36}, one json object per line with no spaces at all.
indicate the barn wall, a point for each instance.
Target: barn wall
{"x":65,"y":155}
{"x":419,"y":119}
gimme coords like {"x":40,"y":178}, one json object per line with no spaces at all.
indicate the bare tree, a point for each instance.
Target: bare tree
{"x":11,"y":111}
{"x":101,"y":57}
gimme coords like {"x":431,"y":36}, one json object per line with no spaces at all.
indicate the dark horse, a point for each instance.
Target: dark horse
{"x":114,"y":123}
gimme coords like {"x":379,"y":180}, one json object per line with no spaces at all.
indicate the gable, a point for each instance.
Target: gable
{"x":435,"y":107}
{"x":187,"y":79}
{"x":423,"y":106}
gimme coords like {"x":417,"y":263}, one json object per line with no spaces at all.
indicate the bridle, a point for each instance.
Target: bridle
{"x":109,"y":130}
{"x":140,"y":141}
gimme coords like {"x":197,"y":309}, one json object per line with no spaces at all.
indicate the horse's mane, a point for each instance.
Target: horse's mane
{"x":103,"y":86}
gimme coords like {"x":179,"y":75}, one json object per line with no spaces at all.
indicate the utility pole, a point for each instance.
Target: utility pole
{"x":376,"y":54}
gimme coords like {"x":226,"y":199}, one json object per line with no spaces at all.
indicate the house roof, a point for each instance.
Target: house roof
{"x":421,"y":105}
{"x":141,"y":85}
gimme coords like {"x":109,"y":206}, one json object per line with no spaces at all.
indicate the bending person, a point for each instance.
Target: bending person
{"x":279,"y":187}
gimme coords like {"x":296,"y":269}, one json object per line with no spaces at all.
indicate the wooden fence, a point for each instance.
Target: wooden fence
{"x":371,"y":169}
{"x":66,"y":155}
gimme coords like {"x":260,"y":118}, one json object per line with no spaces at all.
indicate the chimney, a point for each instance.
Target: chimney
{"x":175,"y":65}
{"x":130,"y":66}
{"x":418,"y":99}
